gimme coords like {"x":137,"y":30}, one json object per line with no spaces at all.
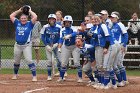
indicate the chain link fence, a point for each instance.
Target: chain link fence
{"x":77,"y":8}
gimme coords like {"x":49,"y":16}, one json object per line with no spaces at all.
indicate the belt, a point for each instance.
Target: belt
{"x":19,"y":43}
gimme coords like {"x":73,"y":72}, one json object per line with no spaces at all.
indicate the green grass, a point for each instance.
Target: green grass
{"x":7,"y":41}
{"x":22,"y":71}
{"x":27,"y":71}
{"x":7,"y":52}
{"x":70,"y":71}
{"x":133,"y":72}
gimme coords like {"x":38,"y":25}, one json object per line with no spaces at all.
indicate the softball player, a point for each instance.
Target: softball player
{"x":120,"y":35}
{"x":84,"y":27}
{"x":50,"y":34}
{"x":104,"y":52}
{"x":36,"y":39}
{"x":67,"y":41}
{"x":88,"y":52}
{"x":23,"y":41}
{"x":105,"y":19}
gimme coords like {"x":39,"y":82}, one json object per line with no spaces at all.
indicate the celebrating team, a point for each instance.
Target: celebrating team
{"x":101,"y":40}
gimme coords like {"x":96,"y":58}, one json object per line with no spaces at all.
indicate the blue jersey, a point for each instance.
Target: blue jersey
{"x":92,"y":30}
{"x":88,"y":39}
{"x":50,"y":34}
{"x":23,"y":32}
{"x":59,"y":23}
{"x":119,"y":33}
{"x":102,"y":34}
{"x":88,"y":51}
{"x":67,"y":31}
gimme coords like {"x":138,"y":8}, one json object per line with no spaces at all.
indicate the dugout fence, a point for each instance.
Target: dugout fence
{"x":132,"y":57}
{"x":78,"y":9}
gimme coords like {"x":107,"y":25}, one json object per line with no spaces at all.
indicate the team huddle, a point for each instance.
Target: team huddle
{"x":102,"y":44}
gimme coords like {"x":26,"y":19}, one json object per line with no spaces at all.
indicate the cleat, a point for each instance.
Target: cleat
{"x":66,"y":74}
{"x":57,"y":74}
{"x":96,"y":86}
{"x":121,"y":84}
{"x":80,"y":80}
{"x":91,"y":83}
{"x":106,"y":87}
{"x":86,"y":76}
{"x":64,"y":78}
{"x":101,"y":86}
{"x":96,"y":80}
{"x":14,"y":77}
{"x":60,"y":80}
{"x":126,"y":82}
{"x":49,"y":78}
{"x":34,"y":79}
{"x":114,"y":86}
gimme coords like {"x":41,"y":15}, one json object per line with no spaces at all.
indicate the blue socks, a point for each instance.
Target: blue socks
{"x":106,"y":77}
{"x":102,"y":77}
{"x":96,"y":74}
{"x":99,"y":76}
{"x":112,"y":77}
{"x":16,"y":68}
{"x":62,"y":72}
{"x":33,"y":69}
{"x":49,"y":69}
{"x":118,"y":75}
{"x":89,"y":74}
{"x":123,"y":73}
{"x":79,"y":68}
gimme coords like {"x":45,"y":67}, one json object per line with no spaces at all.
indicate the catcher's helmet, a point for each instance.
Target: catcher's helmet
{"x":25,"y":9}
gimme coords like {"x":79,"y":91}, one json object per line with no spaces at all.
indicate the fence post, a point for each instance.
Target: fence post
{"x":0,"y":56}
{"x":83,"y":9}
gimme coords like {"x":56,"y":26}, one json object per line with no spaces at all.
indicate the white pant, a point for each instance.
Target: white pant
{"x":119,"y":56}
{"x":66,"y":54}
{"x":109,"y":58}
{"x":99,"y":56}
{"x":26,"y":50}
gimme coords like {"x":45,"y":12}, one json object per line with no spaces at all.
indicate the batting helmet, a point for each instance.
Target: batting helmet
{"x":52,"y":16}
{"x":68,"y":18}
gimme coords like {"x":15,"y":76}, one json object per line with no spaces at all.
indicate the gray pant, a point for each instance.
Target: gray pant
{"x":99,"y":57}
{"x":55,"y":54}
{"x":87,"y":66}
{"x":109,"y":58}
{"x":26,"y":50}
{"x":66,"y":54}
{"x":121,"y":58}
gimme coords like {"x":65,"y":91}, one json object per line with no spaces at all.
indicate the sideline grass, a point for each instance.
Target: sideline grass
{"x":8,"y":51}
{"x":70,"y":71}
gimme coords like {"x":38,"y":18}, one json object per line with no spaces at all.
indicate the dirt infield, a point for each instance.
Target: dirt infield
{"x":25,"y":85}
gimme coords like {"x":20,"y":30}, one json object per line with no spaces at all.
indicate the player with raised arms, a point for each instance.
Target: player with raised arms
{"x":23,"y":44}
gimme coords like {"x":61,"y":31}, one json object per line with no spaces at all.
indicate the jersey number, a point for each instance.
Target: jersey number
{"x":21,"y":33}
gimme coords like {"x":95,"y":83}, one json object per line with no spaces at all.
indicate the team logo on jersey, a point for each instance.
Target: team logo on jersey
{"x":22,"y":28}
{"x":114,"y":30}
